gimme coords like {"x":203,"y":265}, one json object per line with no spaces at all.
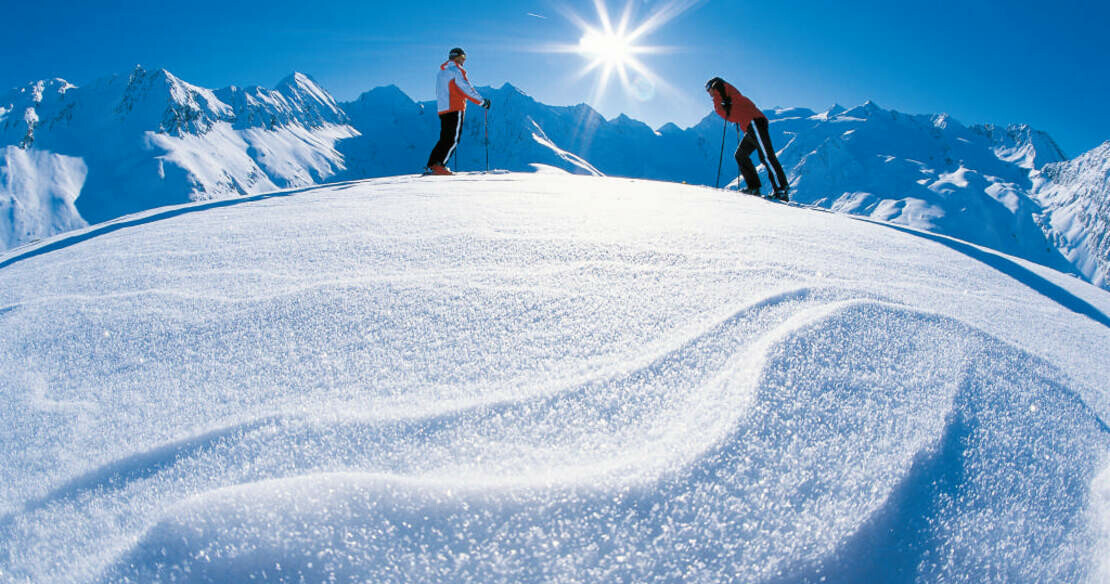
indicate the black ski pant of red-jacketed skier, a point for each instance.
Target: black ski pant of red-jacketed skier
{"x":450,"y":129}
{"x":757,"y":137}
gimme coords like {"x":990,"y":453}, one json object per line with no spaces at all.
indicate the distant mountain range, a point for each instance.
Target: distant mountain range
{"x":72,"y":156}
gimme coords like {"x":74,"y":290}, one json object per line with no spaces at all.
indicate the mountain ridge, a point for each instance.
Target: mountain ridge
{"x":173,"y":142}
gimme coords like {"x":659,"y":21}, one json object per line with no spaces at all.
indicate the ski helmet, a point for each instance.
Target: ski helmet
{"x":456,"y":52}
{"x":714,"y":84}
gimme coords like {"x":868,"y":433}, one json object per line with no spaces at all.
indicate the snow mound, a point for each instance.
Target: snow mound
{"x":544,"y":377}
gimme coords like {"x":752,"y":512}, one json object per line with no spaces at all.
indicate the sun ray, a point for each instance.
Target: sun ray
{"x":626,"y":17}
{"x":602,"y":82}
{"x":662,"y":16}
{"x":603,"y":15}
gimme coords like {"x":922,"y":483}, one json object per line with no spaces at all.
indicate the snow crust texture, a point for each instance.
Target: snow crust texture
{"x":544,"y":378}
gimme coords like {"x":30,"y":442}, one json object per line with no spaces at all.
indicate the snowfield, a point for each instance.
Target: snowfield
{"x":545,"y":378}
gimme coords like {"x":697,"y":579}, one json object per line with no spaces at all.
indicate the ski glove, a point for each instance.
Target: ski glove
{"x":485,"y":104}
{"x":726,"y":103}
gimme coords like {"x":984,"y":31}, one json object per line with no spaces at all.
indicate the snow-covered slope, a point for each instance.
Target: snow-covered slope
{"x":927,"y":172}
{"x":38,"y":192}
{"x":1075,"y":196}
{"x":545,"y":378}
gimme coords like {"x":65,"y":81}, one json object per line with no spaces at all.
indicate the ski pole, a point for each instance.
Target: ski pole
{"x":455,"y":154}
{"x":721,"y":159}
{"x":486,"y":124}
{"x":738,"y":140}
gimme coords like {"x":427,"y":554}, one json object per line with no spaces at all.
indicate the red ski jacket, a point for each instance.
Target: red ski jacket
{"x":453,"y":88}
{"x":743,"y":111}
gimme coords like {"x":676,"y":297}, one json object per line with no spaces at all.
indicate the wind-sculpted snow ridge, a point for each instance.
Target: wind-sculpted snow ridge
{"x":534,"y":378}
{"x":891,"y":458}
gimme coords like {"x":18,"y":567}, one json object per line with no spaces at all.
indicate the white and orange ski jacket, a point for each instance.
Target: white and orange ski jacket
{"x":453,"y":88}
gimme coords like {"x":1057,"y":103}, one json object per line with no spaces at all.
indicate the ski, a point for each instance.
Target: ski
{"x":466,"y":173}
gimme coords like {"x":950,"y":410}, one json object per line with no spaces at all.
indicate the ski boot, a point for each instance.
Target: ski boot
{"x":440,"y":170}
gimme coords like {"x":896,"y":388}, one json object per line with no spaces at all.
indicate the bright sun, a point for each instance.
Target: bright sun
{"x":610,"y":49}
{"x":613,"y":47}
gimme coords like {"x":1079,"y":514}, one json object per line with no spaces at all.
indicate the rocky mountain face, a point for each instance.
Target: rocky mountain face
{"x":1075,"y":201}
{"x":72,"y":156}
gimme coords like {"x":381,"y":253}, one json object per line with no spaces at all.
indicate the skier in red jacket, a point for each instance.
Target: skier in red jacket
{"x":734,"y":107}
{"x":453,"y":90}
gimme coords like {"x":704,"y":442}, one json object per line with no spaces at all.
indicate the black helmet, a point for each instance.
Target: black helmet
{"x":714,"y":84}
{"x":456,"y":52}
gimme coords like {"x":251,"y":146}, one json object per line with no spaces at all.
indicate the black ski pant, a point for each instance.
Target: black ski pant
{"x":450,"y":128}
{"x":758,"y":138}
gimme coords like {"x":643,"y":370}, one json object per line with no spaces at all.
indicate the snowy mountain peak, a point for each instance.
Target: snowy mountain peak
{"x":508,"y":93}
{"x":670,"y":128}
{"x":390,"y":94}
{"x":624,"y":120}
{"x":159,"y":100}
{"x":379,"y":109}
{"x":510,"y":88}
{"x":942,"y":120}
{"x":1022,"y":145}
{"x":300,"y":84}
{"x":23,"y":109}
{"x":832,"y":112}
{"x":298,"y":78}
{"x":303,"y":94}
{"x":781,"y":113}
{"x":35,"y":93}
{"x":161,"y":80}
{"x":297,"y":100}
{"x":866,"y":110}
{"x":41,"y":89}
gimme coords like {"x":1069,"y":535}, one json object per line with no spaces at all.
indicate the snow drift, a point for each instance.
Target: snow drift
{"x":544,"y":378}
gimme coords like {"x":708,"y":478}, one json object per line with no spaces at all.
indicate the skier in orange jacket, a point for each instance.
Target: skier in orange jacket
{"x":734,"y":107}
{"x":453,"y":90}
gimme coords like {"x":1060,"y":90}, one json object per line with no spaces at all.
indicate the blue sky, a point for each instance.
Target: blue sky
{"x":1046,"y":64}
